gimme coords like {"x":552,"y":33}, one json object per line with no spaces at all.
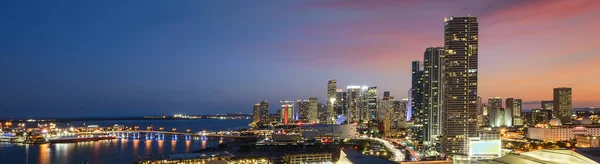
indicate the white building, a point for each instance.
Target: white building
{"x":561,"y":133}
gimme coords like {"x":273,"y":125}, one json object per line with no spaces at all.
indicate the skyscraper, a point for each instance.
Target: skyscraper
{"x":432,"y":93}
{"x":372,"y":103}
{"x":460,"y":83}
{"x":562,"y":104}
{"x":313,"y":110}
{"x":548,"y":105}
{"x":515,"y":105}
{"x":386,"y":95}
{"x":256,"y":113}
{"x":264,"y":113}
{"x":400,"y":108}
{"x":495,"y":112}
{"x":303,"y":110}
{"x":287,"y":111}
{"x":416,"y":130}
{"x":353,"y":114}
{"x":331,"y":99}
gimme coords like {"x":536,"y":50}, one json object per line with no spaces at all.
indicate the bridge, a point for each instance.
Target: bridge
{"x":160,"y":135}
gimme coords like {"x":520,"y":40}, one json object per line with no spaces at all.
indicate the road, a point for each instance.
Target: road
{"x":416,"y":156}
{"x":398,"y":156}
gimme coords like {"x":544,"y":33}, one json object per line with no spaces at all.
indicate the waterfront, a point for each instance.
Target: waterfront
{"x":116,"y":150}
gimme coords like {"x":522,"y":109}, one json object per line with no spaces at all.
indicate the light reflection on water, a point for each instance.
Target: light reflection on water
{"x":107,"y":151}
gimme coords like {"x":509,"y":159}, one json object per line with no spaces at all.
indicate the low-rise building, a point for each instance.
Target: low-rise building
{"x":308,"y":158}
{"x":561,"y":133}
{"x":587,"y":141}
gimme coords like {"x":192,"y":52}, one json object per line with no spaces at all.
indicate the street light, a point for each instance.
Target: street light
{"x":174,"y":129}
{"x":161,"y":128}
{"x":188,"y":130}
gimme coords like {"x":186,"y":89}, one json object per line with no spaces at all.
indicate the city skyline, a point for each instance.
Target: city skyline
{"x":79,"y":69}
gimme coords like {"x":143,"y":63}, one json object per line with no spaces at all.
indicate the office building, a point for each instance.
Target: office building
{"x":548,"y":105}
{"x":432,"y":93}
{"x":540,"y":116}
{"x":588,"y":141}
{"x":353,"y":114}
{"x":331,"y":100}
{"x":515,"y":106}
{"x":418,"y":115}
{"x":460,"y":83}
{"x":256,"y":113}
{"x":322,"y":113}
{"x":562,"y":104}
{"x":303,"y":109}
{"x":287,"y":112}
{"x":264,"y":113}
{"x":399,"y":115}
{"x":341,"y":102}
{"x":307,"y":158}
{"x":550,"y":133}
{"x":372,"y":103}
{"x":587,"y":156}
{"x":313,"y":110}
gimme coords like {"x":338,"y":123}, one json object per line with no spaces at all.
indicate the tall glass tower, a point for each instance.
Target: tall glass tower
{"x":460,"y":83}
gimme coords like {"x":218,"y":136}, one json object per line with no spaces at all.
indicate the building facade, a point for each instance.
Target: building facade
{"x":418,"y":115}
{"x":560,"y":133}
{"x":562,"y":104}
{"x":460,"y":83}
{"x":331,"y":101}
{"x":432,"y":94}
{"x":372,"y":99}
{"x":287,"y":112}
{"x":515,"y":106}
{"x":264,"y":113}
{"x":303,"y":109}
{"x":313,"y":110}
{"x":353,"y":114}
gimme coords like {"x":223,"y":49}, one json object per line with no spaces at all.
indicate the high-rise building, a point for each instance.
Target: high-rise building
{"x":322,"y":113}
{"x":341,"y":102}
{"x":515,"y":105}
{"x":372,"y":103}
{"x":331,"y":100}
{"x":494,"y":102}
{"x":364,"y":104}
{"x":313,"y":110}
{"x":416,"y":130}
{"x":256,"y":113}
{"x":386,"y":95}
{"x":303,"y":107}
{"x":432,"y":94}
{"x":353,"y":114}
{"x":460,"y":83}
{"x":264,"y":113}
{"x":548,"y":105}
{"x":540,"y":116}
{"x":400,"y":112}
{"x":562,"y":104}
{"x":287,"y":111}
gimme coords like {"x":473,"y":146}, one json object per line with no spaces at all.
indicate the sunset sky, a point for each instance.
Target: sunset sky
{"x":133,"y":58}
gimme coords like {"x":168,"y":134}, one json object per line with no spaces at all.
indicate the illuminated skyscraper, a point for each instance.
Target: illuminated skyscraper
{"x":386,"y":95}
{"x":341,"y":102}
{"x":313,"y":110}
{"x":562,"y":104}
{"x":256,"y":113}
{"x":264,"y":113}
{"x":353,"y":114}
{"x":331,"y":100}
{"x":460,"y":83}
{"x":399,"y":115}
{"x":548,"y":105}
{"x":372,"y":103}
{"x":322,"y":113}
{"x":416,"y":130}
{"x":433,"y":94}
{"x":287,"y":111}
{"x":515,"y":105}
{"x":495,"y":112}
{"x":303,"y":107}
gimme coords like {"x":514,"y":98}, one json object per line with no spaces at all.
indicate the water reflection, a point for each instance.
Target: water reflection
{"x":220,"y":141}
{"x":187,"y":145}
{"x":135,"y":144}
{"x":203,"y":144}
{"x":173,"y":144}
{"x":160,"y":146}
{"x":44,"y":154}
{"x":148,"y":147}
